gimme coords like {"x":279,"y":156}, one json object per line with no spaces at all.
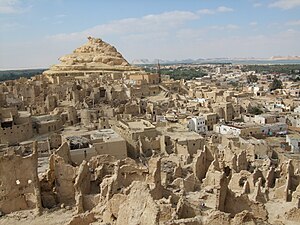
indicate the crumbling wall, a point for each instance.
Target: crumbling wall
{"x":64,"y":152}
{"x":64,"y":179}
{"x":236,"y":204}
{"x":82,"y":185}
{"x":238,"y":181}
{"x":112,"y":207}
{"x":130,"y":173}
{"x":139,"y":207}
{"x":19,"y":184}
{"x":201,"y":163}
{"x":154,"y":177}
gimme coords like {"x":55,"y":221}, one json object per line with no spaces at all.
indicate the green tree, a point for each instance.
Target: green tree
{"x":276,"y":84}
{"x":255,"y":110}
{"x":252,"y":78}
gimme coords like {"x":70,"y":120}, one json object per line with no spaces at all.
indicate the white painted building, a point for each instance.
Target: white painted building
{"x":227,"y":130}
{"x":197,"y":124}
{"x":200,"y":100}
{"x":238,"y":129}
{"x":249,"y":129}
{"x":294,"y":141}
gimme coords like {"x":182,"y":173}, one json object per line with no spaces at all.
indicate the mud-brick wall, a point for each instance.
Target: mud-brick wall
{"x":19,"y":185}
{"x":16,"y":133}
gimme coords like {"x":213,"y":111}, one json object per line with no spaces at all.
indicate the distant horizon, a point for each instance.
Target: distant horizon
{"x":259,"y":61}
{"x":172,"y":60}
{"x":34,"y":34}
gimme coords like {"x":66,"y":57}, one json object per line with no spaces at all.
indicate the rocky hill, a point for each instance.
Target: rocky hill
{"x":95,"y":55}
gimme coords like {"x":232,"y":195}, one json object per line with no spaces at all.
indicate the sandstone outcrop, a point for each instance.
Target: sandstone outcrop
{"x":96,"y":56}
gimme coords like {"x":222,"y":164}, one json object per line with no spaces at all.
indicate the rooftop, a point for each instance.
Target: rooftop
{"x":243,"y":125}
{"x":138,"y":125}
{"x":106,"y":135}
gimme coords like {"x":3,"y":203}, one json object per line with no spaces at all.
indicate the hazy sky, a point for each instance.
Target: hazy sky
{"x":35,"y":33}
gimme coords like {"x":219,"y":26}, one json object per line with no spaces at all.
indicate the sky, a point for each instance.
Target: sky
{"x":35,"y":33}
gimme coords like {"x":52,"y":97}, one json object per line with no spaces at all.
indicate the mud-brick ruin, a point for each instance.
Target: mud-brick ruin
{"x":95,"y":140}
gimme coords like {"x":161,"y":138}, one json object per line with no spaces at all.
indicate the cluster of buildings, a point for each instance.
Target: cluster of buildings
{"x":107,"y":126}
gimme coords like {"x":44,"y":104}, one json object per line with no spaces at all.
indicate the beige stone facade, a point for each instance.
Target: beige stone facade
{"x":16,"y":126}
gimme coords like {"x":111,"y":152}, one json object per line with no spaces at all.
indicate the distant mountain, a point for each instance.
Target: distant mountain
{"x":249,"y":60}
{"x":161,"y":61}
{"x":141,"y":61}
{"x":285,"y":58}
{"x":183,"y":61}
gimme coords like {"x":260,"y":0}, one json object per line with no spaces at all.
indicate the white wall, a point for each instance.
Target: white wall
{"x":197,"y":125}
{"x":294,"y":143}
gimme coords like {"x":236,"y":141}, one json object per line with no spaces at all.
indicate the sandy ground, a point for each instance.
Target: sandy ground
{"x":28,"y":217}
{"x":277,"y":209}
